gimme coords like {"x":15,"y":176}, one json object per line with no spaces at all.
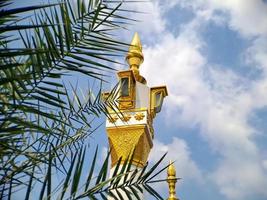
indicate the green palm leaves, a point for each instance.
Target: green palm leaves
{"x":43,"y":122}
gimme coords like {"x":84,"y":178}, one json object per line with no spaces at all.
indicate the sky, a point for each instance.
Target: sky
{"x":212,"y":56}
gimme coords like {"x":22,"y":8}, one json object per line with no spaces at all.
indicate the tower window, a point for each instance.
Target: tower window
{"x":158,"y":101}
{"x":124,"y":87}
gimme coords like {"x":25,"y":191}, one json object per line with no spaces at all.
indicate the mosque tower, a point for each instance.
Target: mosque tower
{"x":130,"y":128}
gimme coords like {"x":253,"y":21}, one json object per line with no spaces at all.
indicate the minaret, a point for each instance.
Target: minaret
{"x":171,"y":179}
{"x":130,"y":130}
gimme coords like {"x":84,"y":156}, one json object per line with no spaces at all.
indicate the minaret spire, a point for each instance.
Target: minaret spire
{"x":171,"y":179}
{"x":135,"y":57}
{"x":136,"y":43}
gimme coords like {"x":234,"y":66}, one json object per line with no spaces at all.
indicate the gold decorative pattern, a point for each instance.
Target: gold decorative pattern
{"x":112,"y":119}
{"x":126,"y":118}
{"x":150,"y":125}
{"x":139,"y":116}
{"x":126,"y":104}
{"x":124,"y":141}
{"x":132,"y":110}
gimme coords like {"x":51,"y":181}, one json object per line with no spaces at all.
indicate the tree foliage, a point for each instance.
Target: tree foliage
{"x":43,"y":122}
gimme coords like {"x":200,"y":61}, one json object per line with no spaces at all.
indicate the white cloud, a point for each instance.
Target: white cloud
{"x":239,"y":178}
{"x":179,"y":153}
{"x":219,"y":101}
{"x":150,"y":22}
{"x":256,"y":53}
{"x":264,"y":163}
{"x":247,"y":17}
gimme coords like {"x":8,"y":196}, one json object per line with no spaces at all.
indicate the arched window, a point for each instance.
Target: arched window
{"x":126,"y":92}
{"x":125,"y":87}
{"x":157,"y":95}
{"x":158,"y":101}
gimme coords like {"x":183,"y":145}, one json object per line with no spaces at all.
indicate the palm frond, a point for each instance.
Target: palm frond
{"x":43,"y":122}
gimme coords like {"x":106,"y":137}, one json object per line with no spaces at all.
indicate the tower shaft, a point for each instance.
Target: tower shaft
{"x":130,"y":125}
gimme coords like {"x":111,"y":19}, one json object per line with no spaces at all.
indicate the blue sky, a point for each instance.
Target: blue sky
{"x":212,"y":55}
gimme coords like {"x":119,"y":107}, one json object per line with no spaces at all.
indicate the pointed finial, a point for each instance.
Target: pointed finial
{"x":171,"y":179}
{"x":135,"y":57}
{"x":136,"y":44}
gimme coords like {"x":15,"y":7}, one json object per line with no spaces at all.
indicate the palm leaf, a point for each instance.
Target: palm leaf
{"x":39,"y":120}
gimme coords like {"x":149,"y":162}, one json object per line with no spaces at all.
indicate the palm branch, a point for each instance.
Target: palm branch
{"x":43,"y":122}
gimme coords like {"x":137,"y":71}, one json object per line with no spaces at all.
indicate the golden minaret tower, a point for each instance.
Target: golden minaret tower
{"x":130,"y":130}
{"x":171,"y":180}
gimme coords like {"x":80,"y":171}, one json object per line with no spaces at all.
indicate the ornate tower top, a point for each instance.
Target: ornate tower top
{"x":135,"y":57}
{"x":135,"y":50}
{"x":171,"y":179}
